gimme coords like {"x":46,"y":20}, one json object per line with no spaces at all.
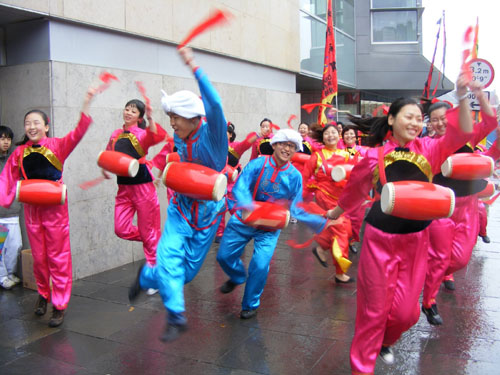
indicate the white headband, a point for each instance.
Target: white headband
{"x":183,"y":103}
{"x":288,"y":135}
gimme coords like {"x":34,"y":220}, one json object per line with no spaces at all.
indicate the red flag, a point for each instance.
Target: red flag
{"x":329,"y":68}
{"x":217,"y":17}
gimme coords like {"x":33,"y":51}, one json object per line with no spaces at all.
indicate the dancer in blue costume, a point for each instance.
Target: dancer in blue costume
{"x":268,"y":178}
{"x":192,"y":223}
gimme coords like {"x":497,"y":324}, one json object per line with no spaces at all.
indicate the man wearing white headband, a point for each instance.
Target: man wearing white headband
{"x":267,"y":178}
{"x":192,"y":223}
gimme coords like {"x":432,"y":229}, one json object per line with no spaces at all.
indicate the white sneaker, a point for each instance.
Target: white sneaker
{"x":7,"y":283}
{"x":151,"y":291}
{"x":14,"y":278}
{"x":387,"y":355}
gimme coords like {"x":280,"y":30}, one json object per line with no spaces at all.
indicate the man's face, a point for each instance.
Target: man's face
{"x":283,"y":151}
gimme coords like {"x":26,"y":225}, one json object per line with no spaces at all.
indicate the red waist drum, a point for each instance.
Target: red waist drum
{"x":488,"y":191}
{"x":341,"y":172}
{"x":300,"y":158}
{"x":231,"y":172}
{"x":118,"y":163}
{"x":41,"y":192}
{"x":417,"y":200}
{"x":267,"y":216}
{"x":172,"y":156}
{"x":195,"y":181}
{"x":468,"y":166}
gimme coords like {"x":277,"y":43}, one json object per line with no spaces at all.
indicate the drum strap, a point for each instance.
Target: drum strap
{"x":381,"y":166}
{"x":194,"y":214}
{"x":256,"y":187}
{"x":23,"y":172}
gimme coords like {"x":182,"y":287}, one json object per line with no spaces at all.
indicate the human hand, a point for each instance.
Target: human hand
{"x":187,"y":55}
{"x":106,"y":175}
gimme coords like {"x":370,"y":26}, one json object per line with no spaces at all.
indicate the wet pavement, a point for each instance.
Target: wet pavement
{"x":304,"y":325}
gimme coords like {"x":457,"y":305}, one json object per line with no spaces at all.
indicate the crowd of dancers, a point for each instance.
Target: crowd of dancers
{"x":289,"y":170}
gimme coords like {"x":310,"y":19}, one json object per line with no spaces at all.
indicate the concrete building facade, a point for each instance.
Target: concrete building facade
{"x":264,"y":63}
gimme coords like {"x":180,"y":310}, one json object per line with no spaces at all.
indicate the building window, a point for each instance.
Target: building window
{"x":312,"y":38}
{"x":394,"y":21}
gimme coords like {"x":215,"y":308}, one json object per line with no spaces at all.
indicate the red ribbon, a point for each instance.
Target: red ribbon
{"x":309,"y":107}
{"x":216,"y":18}
{"x":142,"y":90}
{"x":106,"y":79}
{"x":290,"y":119}
{"x":91,"y":183}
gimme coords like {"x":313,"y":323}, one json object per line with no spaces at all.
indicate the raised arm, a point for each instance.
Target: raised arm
{"x":217,"y":124}
{"x":465,"y":118}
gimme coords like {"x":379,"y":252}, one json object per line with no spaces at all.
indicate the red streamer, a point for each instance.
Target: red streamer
{"x":219,"y":17}
{"x":312,"y":208}
{"x":91,"y":183}
{"x":274,"y":126}
{"x":297,"y":245}
{"x":310,"y":107}
{"x":290,"y":119}
{"x":383,"y":107}
{"x":142,"y":90}
{"x":489,"y":202}
{"x":106,"y":79}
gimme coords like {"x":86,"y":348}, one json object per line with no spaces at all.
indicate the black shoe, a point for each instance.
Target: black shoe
{"x":57,"y":318}
{"x":217,"y":239}
{"x":432,"y":315}
{"x":449,"y":284}
{"x":322,"y":262}
{"x":248,"y":314}
{"x":351,"y":280}
{"x":353,"y":249}
{"x":486,"y":239}
{"x":41,"y":306}
{"x":228,"y":287}
{"x":387,"y":355}
{"x":172,"y":332}
{"x":135,"y":288}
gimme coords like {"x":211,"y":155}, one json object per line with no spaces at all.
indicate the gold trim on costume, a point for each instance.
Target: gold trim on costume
{"x":416,"y":159}
{"x":48,"y":154}
{"x":135,"y":143}
{"x":328,"y":155}
{"x":234,"y":153}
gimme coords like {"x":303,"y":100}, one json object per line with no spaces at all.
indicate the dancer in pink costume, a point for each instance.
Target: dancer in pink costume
{"x":137,"y":194}
{"x":393,"y":257}
{"x":483,"y":221}
{"x":451,"y":240}
{"x":262,"y":145}
{"x":42,"y":157}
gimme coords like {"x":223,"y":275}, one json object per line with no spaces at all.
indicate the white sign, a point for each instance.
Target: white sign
{"x":474,"y":102}
{"x":482,"y":72}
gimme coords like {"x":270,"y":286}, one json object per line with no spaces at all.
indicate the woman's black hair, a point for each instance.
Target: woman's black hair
{"x":230,"y":130}
{"x":350,"y":127}
{"x":264,"y":120}
{"x":437,"y":105}
{"x":45,"y":119}
{"x":318,"y":130}
{"x":141,"y":107}
{"x":377,"y":127}
{"x":305,"y":123}
{"x":6,"y":132}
